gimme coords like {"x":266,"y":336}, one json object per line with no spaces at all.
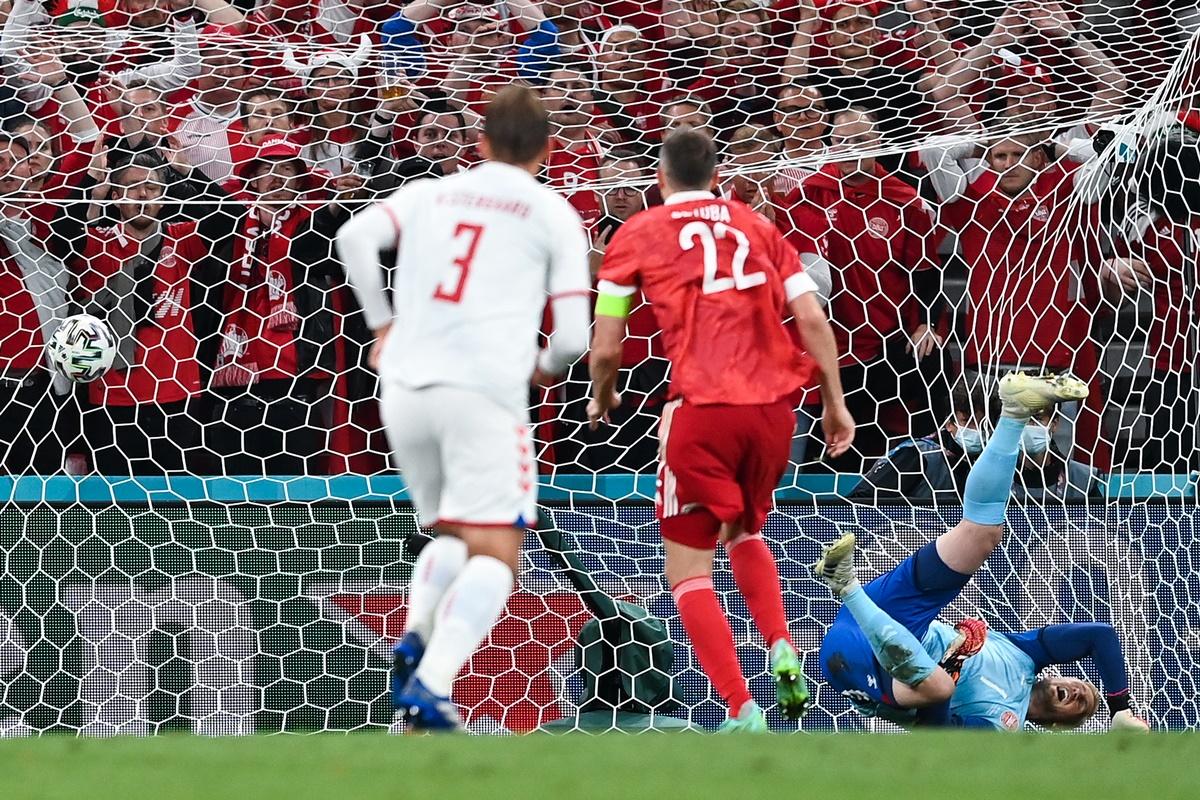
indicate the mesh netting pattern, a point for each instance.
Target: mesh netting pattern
{"x":975,"y":187}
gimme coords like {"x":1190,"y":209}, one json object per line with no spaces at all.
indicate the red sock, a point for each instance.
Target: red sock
{"x":757,"y":579}
{"x":707,"y":627}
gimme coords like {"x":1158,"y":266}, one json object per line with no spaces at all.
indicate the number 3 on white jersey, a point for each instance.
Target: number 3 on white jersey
{"x":707,"y":236}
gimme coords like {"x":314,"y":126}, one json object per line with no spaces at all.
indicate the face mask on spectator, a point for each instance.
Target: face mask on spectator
{"x":1035,"y":439}
{"x":969,"y":439}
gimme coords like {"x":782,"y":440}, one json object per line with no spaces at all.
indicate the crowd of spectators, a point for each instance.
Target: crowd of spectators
{"x":180,"y":167}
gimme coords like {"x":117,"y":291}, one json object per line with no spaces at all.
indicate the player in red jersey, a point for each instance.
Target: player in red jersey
{"x":721,"y":280}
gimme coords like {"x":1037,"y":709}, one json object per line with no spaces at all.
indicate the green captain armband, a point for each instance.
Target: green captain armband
{"x":611,"y":305}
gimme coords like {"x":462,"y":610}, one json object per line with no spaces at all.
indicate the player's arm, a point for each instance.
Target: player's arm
{"x":359,"y":243}
{"x":570,"y":288}
{"x":618,"y":283}
{"x":1066,"y":644}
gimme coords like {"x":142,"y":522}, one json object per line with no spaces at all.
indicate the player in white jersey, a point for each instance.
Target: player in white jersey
{"x":479,"y":254}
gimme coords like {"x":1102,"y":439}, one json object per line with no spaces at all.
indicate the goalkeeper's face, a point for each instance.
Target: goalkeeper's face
{"x":1063,"y":702}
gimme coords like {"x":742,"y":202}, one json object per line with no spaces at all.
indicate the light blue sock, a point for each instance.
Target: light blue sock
{"x":901,"y":655}
{"x":989,"y":484}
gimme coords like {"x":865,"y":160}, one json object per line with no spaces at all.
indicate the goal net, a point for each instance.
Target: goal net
{"x":208,"y":536}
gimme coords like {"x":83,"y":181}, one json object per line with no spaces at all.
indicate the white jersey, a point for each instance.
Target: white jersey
{"x":479,"y":255}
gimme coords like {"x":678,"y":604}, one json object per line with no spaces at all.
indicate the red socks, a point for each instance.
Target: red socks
{"x":706,"y":625}
{"x":757,"y":579}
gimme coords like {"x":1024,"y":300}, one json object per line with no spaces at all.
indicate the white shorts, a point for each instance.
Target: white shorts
{"x":465,"y":459}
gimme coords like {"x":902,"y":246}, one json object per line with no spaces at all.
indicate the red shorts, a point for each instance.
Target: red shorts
{"x":726,"y":459}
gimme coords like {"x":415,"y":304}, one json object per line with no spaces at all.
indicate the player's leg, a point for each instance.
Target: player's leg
{"x":753,"y":564}
{"x":895,"y":610}
{"x":965,"y":547}
{"x":417,"y":451}
{"x":917,"y":680}
{"x":489,"y":498}
{"x":696,"y":490}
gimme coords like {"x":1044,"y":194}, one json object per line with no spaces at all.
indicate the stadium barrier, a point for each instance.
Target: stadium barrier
{"x":274,"y":610}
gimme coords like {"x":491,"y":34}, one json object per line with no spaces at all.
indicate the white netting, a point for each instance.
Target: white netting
{"x":180,"y":169}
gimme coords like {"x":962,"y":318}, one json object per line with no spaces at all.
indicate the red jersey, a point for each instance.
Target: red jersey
{"x":20,"y":326}
{"x":1164,"y":246}
{"x":719,"y":276}
{"x":164,"y":368}
{"x":1024,"y":287}
{"x":874,"y":236}
{"x":573,"y":163}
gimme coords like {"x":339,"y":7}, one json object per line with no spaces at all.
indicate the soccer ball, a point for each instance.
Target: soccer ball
{"x":82,"y":348}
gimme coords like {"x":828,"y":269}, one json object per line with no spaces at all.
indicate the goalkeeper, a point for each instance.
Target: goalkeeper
{"x":878,"y":651}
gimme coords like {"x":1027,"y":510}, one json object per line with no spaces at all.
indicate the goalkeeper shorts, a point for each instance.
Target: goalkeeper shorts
{"x":465,"y":458}
{"x":913,"y":594}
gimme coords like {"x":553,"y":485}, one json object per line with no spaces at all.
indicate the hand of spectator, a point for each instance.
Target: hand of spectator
{"x":923,"y":341}
{"x":542,"y":379}
{"x":598,"y":408}
{"x":839,"y":429}
{"x":1128,"y":274}
{"x":348,"y":183}
{"x":1051,"y":20}
{"x":405,"y":103}
{"x":175,"y":155}
{"x":98,"y":168}
{"x":1011,"y":27}
{"x":45,"y":67}
{"x":919,"y":10}
{"x":599,"y":247}
{"x":761,"y":203}
{"x":474,"y":45}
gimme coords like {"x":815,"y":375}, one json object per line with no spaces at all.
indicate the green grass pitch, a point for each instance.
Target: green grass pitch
{"x":966,"y":766}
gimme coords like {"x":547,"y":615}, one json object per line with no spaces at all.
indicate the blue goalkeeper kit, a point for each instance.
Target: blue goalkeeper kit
{"x":995,"y":684}
{"x":873,"y":637}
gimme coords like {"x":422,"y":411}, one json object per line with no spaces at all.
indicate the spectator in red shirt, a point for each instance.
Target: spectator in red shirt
{"x":911,"y":98}
{"x":61,"y":149}
{"x":33,"y":301}
{"x":630,"y":91}
{"x":876,"y":234}
{"x":135,"y":275}
{"x":271,"y":342}
{"x":268,"y":113}
{"x":1018,"y":217}
{"x":575,"y":142}
{"x":338,"y":108}
{"x":631,"y":443}
{"x":686,"y":110}
{"x":473,"y":56}
{"x":204,"y":127}
{"x":1008,"y":58}
{"x":802,"y":124}
{"x":750,"y":164}
{"x":740,"y":77}
{"x":1156,"y":251}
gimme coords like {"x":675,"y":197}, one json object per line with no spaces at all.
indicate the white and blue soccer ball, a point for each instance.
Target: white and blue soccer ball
{"x":82,"y":348}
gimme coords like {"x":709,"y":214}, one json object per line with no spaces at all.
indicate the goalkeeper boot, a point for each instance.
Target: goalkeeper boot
{"x":835,"y":569}
{"x":972,"y":634}
{"x":406,"y":655}
{"x":1023,"y":396}
{"x":791,"y":690}
{"x":426,"y":712}
{"x":750,"y":719}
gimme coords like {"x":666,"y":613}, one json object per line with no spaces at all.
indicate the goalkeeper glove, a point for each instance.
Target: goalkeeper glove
{"x":1126,"y":720}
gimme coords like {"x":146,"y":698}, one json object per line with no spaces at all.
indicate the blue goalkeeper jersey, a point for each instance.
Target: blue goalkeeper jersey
{"x":994,"y":688}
